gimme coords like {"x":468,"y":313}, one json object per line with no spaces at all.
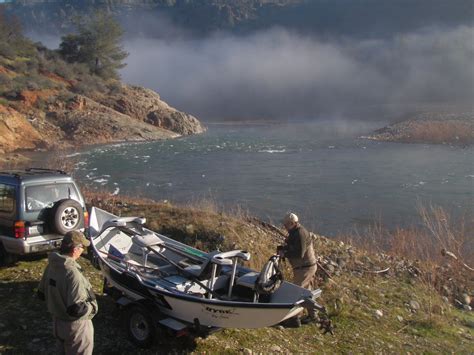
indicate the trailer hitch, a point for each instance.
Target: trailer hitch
{"x":319,"y":315}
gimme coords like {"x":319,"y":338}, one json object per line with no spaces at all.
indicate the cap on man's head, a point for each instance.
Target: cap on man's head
{"x":290,"y":218}
{"x":75,"y":238}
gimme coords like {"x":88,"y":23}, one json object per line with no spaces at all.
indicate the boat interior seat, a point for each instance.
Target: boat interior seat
{"x":202,"y":271}
{"x":194,"y":269}
{"x":117,"y":246}
{"x":147,"y":240}
{"x":248,"y":280}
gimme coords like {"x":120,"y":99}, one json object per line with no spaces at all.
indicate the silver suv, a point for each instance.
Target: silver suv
{"x":37,"y":207}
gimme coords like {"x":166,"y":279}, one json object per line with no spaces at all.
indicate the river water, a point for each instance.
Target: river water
{"x":333,"y":180}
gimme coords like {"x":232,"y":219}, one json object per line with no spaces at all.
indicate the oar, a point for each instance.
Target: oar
{"x":185,"y":272}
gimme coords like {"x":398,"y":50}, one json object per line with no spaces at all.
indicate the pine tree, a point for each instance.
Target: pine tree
{"x":97,"y":44}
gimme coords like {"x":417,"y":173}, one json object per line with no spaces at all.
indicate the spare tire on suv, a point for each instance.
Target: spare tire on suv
{"x":66,"y":215}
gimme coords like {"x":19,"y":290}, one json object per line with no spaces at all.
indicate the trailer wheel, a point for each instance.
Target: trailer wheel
{"x":141,"y":329}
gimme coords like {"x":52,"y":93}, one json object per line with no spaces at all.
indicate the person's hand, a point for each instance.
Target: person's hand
{"x":94,"y":308}
{"x":280,"y":251}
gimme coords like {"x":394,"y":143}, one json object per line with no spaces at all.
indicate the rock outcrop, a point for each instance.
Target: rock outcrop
{"x":83,"y":121}
{"x":146,"y":105}
{"x":45,"y":119}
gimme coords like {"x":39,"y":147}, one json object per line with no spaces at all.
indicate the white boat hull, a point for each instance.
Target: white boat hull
{"x":183,"y":298}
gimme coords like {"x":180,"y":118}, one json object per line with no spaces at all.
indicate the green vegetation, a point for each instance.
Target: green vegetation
{"x":96,"y":44}
{"x":90,"y":67}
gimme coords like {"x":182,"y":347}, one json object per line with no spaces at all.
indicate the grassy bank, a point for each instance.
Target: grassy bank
{"x":378,"y":302}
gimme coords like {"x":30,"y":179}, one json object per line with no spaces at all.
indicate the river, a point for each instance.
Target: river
{"x":335,"y":181}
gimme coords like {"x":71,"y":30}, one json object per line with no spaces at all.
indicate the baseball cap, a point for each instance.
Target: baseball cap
{"x":76,"y":238}
{"x":290,"y":218}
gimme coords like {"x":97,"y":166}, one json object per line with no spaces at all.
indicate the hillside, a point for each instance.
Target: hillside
{"x":430,"y":127}
{"x":378,"y":303}
{"x":46,"y":103}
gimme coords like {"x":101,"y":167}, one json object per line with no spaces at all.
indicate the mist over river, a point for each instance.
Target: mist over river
{"x":333,"y":180}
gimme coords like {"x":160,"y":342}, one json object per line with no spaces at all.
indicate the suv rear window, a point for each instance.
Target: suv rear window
{"x":7,"y":198}
{"x":43,"y":196}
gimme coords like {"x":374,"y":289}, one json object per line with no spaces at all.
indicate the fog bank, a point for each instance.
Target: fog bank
{"x":277,"y":74}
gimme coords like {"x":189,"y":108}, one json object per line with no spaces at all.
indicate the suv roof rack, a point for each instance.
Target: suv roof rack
{"x":31,"y":172}
{"x":45,"y":170}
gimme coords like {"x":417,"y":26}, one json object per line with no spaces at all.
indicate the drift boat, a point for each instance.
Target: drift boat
{"x":187,"y":286}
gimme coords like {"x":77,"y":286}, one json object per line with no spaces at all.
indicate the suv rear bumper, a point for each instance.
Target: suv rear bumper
{"x":31,"y":245}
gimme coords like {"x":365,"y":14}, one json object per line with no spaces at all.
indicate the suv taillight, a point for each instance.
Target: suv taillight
{"x":19,"y":229}
{"x":86,"y":219}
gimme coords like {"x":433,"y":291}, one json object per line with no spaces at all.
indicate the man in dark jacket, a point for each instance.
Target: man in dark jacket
{"x":69,"y":297}
{"x":300,"y":253}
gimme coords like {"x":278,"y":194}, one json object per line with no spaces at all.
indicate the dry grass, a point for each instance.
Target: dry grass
{"x":442,"y":131}
{"x":441,"y":248}
{"x":438,"y":233}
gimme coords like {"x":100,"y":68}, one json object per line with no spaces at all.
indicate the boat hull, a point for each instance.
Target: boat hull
{"x":210,"y":301}
{"x":206,"y":312}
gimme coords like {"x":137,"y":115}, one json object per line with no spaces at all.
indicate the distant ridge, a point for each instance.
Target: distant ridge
{"x":369,"y":18}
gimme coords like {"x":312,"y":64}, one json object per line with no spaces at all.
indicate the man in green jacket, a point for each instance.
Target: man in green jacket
{"x":69,"y":297}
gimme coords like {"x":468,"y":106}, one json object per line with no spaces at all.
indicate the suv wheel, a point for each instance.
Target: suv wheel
{"x":66,"y":215}
{"x":6,"y":258}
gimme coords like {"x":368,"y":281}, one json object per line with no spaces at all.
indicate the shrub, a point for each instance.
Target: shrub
{"x":32,"y":64}
{"x":32,"y":85}
{"x":5,"y":80}
{"x":24,"y":47}
{"x":30,"y":82}
{"x":19,"y":66}
{"x":6,"y":50}
{"x":57,"y":66}
{"x":80,"y":69}
{"x":88,"y":84}
{"x":64,"y":96}
{"x":19,"y":83}
{"x":114,"y":87}
{"x":63,"y":69}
